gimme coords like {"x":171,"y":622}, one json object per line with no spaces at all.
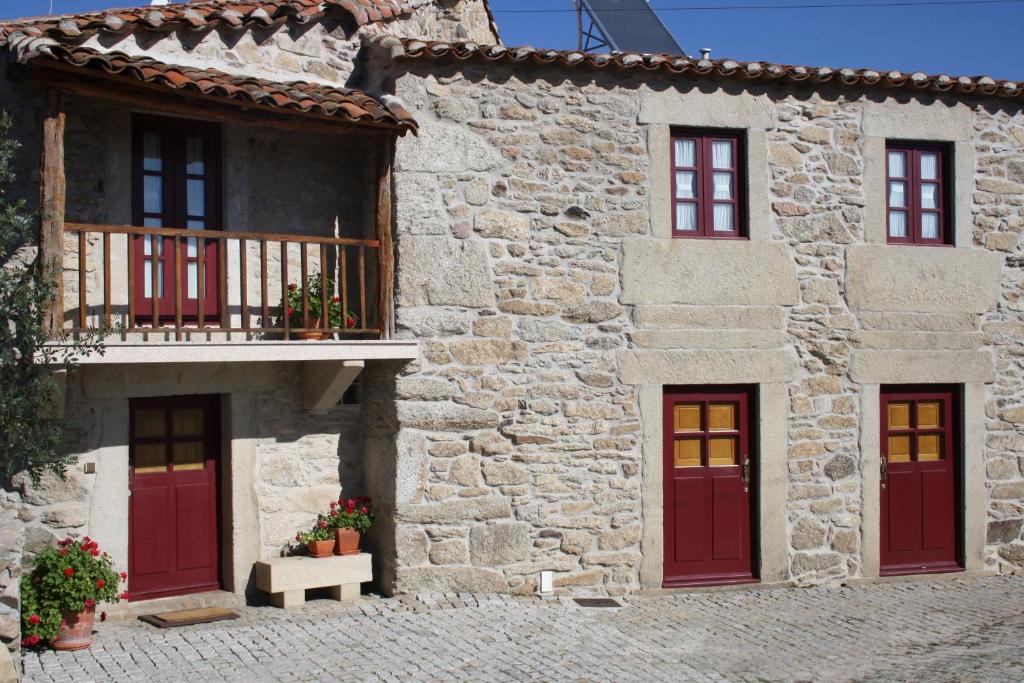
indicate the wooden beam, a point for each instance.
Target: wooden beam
{"x":52,"y":195}
{"x":385,"y":253}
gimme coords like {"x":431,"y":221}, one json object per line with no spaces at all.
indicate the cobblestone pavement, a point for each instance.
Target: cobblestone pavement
{"x":959,"y":630}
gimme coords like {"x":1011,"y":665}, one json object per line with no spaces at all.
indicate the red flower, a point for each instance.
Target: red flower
{"x":334,"y":504}
{"x":69,"y":572}
{"x":63,"y":552}
{"x":124,"y":576}
{"x":350,"y":321}
{"x":89,"y":602}
{"x":94,"y":552}
{"x":30,"y":640}
{"x":322,"y":524}
{"x":298,"y":537}
{"x":292,"y":287}
{"x":291,"y":311}
{"x":124,"y":596}
{"x":100,"y":583}
{"x":335,"y":300}
{"x":364,"y":510}
{"x":34,"y":619}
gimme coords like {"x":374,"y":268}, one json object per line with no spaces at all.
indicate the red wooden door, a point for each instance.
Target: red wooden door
{"x":176,"y":184}
{"x":707,"y":484}
{"x":919,"y":481}
{"x":173,"y":522}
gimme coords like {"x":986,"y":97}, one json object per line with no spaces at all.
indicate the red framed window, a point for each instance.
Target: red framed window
{"x":917,"y":191}
{"x":707,"y":176}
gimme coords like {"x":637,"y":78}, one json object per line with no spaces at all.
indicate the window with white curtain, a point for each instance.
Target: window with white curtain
{"x":707,"y":181}
{"x":917,"y":186}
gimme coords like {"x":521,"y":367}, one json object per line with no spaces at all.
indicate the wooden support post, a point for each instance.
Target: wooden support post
{"x":52,"y":192}
{"x":385,"y":253}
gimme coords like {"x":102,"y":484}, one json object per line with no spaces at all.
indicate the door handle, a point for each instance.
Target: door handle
{"x":883,"y":468}
{"x":746,"y":470}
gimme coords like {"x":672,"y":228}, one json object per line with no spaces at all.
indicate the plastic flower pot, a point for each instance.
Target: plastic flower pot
{"x":348,"y":542}
{"x":321,"y":548}
{"x":75,"y":630}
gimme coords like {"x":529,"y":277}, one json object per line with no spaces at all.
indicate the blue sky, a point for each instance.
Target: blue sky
{"x":959,"y":39}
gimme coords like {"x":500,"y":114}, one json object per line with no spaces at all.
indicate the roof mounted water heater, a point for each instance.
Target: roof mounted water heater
{"x":622,"y":26}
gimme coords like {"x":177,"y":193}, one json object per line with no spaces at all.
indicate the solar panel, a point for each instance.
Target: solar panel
{"x":624,"y":26}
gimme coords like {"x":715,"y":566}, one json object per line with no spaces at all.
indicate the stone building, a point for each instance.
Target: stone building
{"x":635,"y":320}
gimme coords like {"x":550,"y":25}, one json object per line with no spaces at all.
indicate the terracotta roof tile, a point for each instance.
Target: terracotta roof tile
{"x":698,"y":68}
{"x":344,"y":104}
{"x":205,"y":14}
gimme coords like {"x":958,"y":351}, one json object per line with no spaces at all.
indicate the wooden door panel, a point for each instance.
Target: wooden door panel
{"x":707,"y":461}
{"x":919,"y":484}
{"x":937,"y":522}
{"x":193,"y":549}
{"x":173,"y":521}
{"x":727,"y":521}
{"x":693,"y":539}
{"x":149,"y":514}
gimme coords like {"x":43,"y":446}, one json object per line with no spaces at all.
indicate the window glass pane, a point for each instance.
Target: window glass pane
{"x":929,"y":447}
{"x":196,"y":197}
{"x":151,"y":157}
{"x":897,"y":193}
{"x":723,"y":217}
{"x":192,"y":247}
{"x":686,"y":153}
{"x":897,"y":164}
{"x":194,"y":153}
{"x":152,"y":222}
{"x":929,"y":414}
{"x":929,"y":166}
{"x":897,"y":224}
{"x":150,"y":457}
{"x":686,"y":217}
{"x":686,"y":184}
{"x":930,"y":225}
{"x":721,"y":154}
{"x":150,"y":424}
{"x":929,"y":196}
{"x":899,"y":415}
{"x":721,"y":416}
{"x":723,"y":185}
{"x":722,"y":451}
{"x":687,"y":418}
{"x":152,"y":194}
{"x":187,"y":422}
{"x":687,"y":452}
{"x":193,"y":280}
{"x":188,"y":455}
{"x":147,"y":277}
{"x":899,"y":448}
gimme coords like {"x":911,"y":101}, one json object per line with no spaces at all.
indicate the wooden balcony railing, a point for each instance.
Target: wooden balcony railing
{"x":217,"y":281}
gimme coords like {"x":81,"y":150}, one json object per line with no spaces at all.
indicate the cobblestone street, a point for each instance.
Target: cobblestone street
{"x":959,"y":630}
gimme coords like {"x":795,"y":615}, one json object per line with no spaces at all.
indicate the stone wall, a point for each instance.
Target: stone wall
{"x":526,"y":226}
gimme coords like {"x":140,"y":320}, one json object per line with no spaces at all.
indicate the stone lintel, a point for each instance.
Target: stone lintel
{"x":876,"y":366}
{"x":729,"y":366}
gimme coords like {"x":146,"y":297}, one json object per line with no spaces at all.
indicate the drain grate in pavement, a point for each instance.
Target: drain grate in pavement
{"x":597,"y":602}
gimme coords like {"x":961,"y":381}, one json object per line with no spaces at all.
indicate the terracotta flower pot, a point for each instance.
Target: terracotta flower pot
{"x":321,"y":548}
{"x":314,"y":335}
{"x":75,"y":630}
{"x":348,"y":542}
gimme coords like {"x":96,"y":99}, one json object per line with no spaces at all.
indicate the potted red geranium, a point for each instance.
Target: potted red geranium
{"x":350,"y":519}
{"x":337,"y":317}
{"x":60,"y":593}
{"x":319,"y":540}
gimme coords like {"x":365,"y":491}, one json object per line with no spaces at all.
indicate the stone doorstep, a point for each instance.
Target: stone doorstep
{"x":728,"y":588}
{"x":128,"y":611}
{"x":904,"y":578}
{"x":288,"y":578}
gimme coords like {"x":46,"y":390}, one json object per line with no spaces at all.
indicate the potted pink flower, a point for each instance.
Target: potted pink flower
{"x":60,"y":593}
{"x":350,"y":518}
{"x":319,"y":540}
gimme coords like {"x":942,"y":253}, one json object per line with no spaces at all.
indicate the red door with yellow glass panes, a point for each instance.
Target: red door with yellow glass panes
{"x":919,"y":480}
{"x":172,"y":520}
{"x":707,"y":486}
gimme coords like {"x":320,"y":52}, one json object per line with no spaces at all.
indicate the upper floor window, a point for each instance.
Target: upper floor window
{"x":917,"y":194}
{"x":706,"y":180}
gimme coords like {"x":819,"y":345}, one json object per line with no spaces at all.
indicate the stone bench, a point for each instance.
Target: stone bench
{"x":287,"y":578}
